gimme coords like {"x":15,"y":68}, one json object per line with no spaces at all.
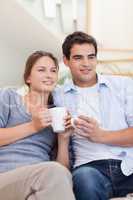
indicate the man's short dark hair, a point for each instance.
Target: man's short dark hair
{"x":77,"y":37}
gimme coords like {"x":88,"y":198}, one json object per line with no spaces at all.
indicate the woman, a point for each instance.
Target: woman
{"x":26,"y":137}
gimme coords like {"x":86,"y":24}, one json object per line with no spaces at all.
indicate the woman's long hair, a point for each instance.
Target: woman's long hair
{"x":32,"y":59}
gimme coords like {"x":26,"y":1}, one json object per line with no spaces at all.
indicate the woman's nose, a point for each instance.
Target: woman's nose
{"x":48,"y":74}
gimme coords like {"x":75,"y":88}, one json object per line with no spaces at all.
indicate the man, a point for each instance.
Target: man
{"x":102,"y":143}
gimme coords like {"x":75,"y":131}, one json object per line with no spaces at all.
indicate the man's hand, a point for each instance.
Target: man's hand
{"x":89,"y":128}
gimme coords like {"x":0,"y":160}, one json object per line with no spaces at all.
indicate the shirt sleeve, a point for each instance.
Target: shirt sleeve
{"x":4,"y":107}
{"x":129,"y":101}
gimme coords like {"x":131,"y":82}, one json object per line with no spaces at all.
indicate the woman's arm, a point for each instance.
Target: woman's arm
{"x":63,"y":150}
{"x":63,"y":143}
{"x":38,"y":122}
{"x":10,"y":135}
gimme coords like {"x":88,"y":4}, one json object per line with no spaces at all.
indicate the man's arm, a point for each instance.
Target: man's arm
{"x":90,"y":129}
{"x":122,"y":137}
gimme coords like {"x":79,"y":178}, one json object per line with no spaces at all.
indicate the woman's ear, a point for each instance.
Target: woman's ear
{"x":28,"y":80}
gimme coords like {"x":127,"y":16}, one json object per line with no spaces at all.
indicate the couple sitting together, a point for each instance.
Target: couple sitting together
{"x":99,"y":145}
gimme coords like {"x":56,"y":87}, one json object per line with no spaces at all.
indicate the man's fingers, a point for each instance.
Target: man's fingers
{"x":86,"y":118}
{"x":86,"y":129}
{"x":84,"y":123}
{"x":83,"y":134}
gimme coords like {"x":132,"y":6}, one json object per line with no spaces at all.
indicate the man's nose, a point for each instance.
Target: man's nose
{"x":85,"y":62}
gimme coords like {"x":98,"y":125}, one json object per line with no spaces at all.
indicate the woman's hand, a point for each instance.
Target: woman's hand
{"x":63,"y":142}
{"x":41,"y":118}
{"x":68,"y":128}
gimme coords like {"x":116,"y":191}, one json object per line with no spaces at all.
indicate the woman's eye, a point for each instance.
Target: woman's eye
{"x":54,"y":70}
{"x":41,"y":70}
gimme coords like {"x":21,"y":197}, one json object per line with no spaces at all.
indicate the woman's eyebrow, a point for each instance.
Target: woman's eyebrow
{"x":43,"y":66}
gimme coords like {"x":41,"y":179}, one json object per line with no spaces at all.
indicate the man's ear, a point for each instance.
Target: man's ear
{"x":66,"y":61}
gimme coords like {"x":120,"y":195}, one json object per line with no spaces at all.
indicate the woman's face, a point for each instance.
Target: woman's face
{"x":43,"y":76}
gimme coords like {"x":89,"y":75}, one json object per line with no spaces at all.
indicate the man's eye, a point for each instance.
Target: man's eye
{"x":77,"y":58}
{"x":91,"y":57}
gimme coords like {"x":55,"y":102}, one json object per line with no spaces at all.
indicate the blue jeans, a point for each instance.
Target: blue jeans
{"x":101,"y":180}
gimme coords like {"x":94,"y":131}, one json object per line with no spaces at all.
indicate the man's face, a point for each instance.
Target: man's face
{"x":82,"y":64}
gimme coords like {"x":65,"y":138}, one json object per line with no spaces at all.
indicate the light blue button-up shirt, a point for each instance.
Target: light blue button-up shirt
{"x":116,"y":110}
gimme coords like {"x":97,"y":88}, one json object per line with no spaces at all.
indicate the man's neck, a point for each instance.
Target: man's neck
{"x":90,"y":83}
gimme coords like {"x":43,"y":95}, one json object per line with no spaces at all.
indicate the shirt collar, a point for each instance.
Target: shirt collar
{"x":69,"y":86}
{"x":102,"y":81}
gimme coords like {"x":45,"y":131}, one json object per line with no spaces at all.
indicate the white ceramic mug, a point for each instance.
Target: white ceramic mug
{"x":58,"y":114}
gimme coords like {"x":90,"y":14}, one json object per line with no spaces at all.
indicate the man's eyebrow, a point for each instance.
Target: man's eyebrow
{"x":80,"y":55}
{"x":92,"y":54}
{"x":77,"y":55}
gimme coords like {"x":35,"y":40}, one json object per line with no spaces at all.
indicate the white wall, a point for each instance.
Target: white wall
{"x":111,"y":23}
{"x":37,"y":10}
{"x":21,"y":35}
{"x":11,"y":65}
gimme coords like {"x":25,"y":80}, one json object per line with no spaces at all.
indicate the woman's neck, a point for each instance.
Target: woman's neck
{"x":34,"y":98}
